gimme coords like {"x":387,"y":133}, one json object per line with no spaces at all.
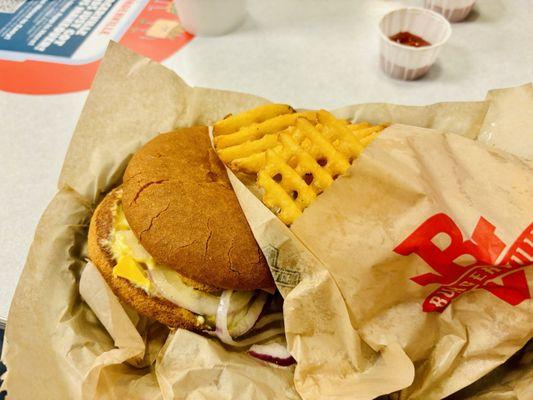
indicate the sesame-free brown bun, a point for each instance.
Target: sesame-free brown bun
{"x":152,"y":307}
{"x":180,"y":204}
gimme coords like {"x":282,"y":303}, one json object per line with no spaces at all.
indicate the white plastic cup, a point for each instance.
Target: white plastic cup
{"x":452,"y":10}
{"x":406,"y":62}
{"x":210,"y":17}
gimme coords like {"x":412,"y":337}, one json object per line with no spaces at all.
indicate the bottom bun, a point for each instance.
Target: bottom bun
{"x":156,"y":308}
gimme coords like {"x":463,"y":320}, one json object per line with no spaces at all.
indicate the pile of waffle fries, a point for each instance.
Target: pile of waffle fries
{"x":295,"y":156}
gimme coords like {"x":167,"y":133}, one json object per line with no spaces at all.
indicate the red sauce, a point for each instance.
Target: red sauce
{"x":408,"y":39}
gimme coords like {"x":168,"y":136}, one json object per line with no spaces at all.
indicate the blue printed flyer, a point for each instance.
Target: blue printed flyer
{"x":54,"y":46}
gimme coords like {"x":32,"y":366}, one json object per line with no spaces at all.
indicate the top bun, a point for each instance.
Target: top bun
{"x":180,"y":204}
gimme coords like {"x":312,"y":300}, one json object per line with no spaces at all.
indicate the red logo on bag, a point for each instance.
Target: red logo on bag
{"x":488,"y":261}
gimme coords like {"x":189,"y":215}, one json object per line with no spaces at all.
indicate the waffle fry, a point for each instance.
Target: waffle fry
{"x":306,"y":164}
{"x":259,"y":114}
{"x":277,"y":199}
{"x":244,"y":150}
{"x":248,"y":148}
{"x":358,"y":126}
{"x":249,"y":165}
{"x":327,"y":156}
{"x":363,"y":131}
{"x":365,"y":141}
{"x":257,"y":131}
{"x":295,"y":155}
{"x":340,"y":136}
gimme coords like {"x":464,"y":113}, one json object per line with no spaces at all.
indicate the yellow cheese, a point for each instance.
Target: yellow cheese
{"x":131,"y":270}
{"x":129,"y":253}
{"x":121,"y":223}
{"x":125,"y":243}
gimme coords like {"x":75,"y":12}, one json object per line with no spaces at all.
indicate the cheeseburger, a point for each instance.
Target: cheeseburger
{"x":172,"y":242}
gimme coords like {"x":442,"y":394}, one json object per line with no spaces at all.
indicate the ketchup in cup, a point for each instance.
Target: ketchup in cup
{"x":408,"y":39}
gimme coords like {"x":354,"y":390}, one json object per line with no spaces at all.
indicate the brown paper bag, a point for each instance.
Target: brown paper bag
{"x":367,"y":306}
{"x":57,"y":346}
{"x":507,"y":123}
{"x":510,"y":381}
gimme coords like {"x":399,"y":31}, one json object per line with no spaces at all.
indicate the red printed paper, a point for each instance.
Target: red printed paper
{"x":463,"y":265}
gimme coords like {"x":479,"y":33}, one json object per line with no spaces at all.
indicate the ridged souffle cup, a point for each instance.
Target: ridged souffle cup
{"x":406,"y":62}
{"x":452,"y":10}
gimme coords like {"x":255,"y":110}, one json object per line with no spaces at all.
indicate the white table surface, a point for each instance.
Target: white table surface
{"x":313,"y":53}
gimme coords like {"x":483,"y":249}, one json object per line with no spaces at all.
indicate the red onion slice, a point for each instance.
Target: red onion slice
{"x":275,"y":353}
{"x":222,"y":325}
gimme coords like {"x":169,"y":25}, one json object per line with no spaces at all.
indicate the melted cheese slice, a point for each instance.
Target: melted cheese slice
{"x":129,"y":254}
{"x":131,"y":270}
